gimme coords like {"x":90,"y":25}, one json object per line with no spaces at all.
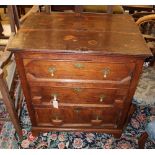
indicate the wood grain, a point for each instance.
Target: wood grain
{"x":113,"y":34}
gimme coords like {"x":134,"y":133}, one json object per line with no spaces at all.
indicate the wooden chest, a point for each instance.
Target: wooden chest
{"x":79,"y":73}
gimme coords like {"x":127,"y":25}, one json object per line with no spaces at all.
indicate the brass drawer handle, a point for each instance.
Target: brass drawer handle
{"x":52,"y":70}
{"x":57,"y":121}
{"x":77,"y":90}
{"x":96,"y":121}
{"x":79,"y":65}
{"x":102,"y":97}
{"x":106,"y":72}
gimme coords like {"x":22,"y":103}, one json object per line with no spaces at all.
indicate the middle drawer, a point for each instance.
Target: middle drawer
{"x":66,"y":95}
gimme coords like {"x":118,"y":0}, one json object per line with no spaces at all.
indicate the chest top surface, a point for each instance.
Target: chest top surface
{"x":102,"y":34}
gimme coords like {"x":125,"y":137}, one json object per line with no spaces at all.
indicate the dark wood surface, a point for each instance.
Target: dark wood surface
{"x":78,"y":69}
{"x":88,"y":33}
{"x":91,"y":63}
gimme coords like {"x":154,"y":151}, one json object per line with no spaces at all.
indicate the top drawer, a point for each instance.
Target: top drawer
{"x":85,"y":70}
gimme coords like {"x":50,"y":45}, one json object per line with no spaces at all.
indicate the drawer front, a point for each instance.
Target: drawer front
{"x":65,"y":95}
{"x":78,"y":69}
{"x":75,"y":116}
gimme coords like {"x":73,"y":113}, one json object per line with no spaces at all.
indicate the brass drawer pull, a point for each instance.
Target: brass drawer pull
{"x":102,"y":97}
{"x":57,"y":121}
{"x":79,"y":65}
{"x":96,"y":121}
{"x":106,"y":72}
{"x":52,"y":70}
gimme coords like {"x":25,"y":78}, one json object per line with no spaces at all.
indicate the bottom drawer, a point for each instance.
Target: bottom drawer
{"x":77,"y":117}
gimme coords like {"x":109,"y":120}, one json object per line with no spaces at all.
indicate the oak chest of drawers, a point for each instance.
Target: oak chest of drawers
{"x":79,"y":73}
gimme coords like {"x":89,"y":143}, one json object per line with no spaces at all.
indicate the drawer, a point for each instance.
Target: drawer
{"x":77,"y":116}
{"x":66,"y":95}
{"x":86,"y":70}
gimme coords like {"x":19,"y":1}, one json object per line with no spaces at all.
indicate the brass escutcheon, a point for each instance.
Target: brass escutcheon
{"x":51,"y":70}
{"x":77,"y":110}
{"x":77,"y":90}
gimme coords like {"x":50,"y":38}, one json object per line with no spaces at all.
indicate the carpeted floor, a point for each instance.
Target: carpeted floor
{"x":3,"y":114}
{"x":76,"y":140}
